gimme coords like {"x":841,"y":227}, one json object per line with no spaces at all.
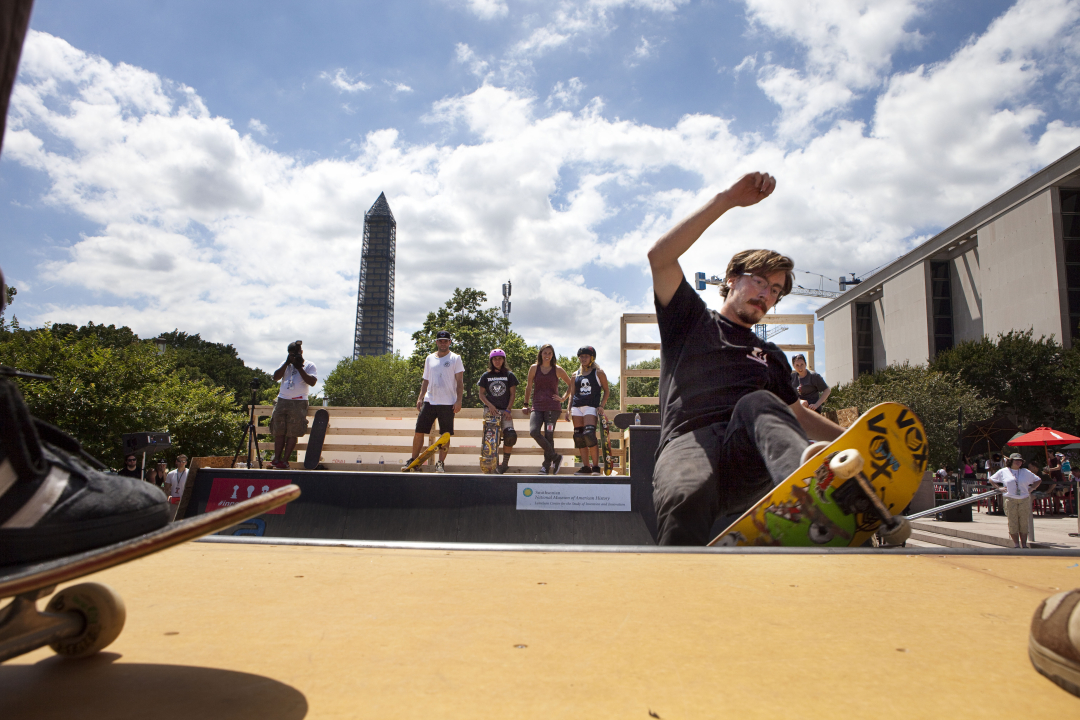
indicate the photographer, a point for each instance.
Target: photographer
{"x":289,"y":420}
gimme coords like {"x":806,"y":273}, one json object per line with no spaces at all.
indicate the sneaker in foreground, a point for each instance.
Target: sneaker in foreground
{"x":54,"y":498}
{"x":556,"y":464}
{"x":439,"y":467}
{"x":1054,"y":643}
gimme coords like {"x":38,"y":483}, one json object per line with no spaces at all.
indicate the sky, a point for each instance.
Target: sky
{"x":206,"y":166}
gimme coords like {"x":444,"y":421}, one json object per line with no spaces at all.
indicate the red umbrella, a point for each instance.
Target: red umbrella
{"x":1045,"y":436}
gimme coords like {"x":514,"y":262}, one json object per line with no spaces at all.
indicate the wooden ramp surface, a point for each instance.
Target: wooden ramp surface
{"x":275,"y":632}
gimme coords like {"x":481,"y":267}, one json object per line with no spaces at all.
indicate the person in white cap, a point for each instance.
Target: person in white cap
{"x":1018,"y":484}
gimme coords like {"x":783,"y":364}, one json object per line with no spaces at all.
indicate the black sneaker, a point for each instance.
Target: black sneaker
{"x":54,"y":498}
{"x":405,"y":467}
{"x":556,"y":464}
{"x":584,"y":470}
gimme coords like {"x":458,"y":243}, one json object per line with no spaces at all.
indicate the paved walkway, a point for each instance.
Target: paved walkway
{"x":1051,"y":531}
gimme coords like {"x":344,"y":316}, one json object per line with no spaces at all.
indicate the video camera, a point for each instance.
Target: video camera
{"x":296,"y":354}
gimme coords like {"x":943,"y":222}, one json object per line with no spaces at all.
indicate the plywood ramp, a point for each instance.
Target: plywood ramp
{"x":269,"y":632}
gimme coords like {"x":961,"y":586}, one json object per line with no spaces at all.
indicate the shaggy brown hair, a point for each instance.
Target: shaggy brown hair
{"x":759,"y":262}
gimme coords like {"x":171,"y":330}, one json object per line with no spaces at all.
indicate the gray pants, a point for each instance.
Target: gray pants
{"x":724,"y":469}
{"x":542,"y":430}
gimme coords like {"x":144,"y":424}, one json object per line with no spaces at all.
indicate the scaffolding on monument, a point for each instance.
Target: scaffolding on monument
{"x":374,"y":334}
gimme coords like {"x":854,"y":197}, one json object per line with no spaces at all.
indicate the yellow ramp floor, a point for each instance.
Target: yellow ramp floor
{"x":268,"y":632}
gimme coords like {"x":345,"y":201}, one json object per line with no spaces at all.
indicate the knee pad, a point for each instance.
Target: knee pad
{"x":590,"y":435}
{"x":509,"y":437}
{"x":579,"y":437}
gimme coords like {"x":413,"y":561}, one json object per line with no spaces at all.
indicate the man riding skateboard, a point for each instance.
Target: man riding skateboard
{"x":732,"y":427}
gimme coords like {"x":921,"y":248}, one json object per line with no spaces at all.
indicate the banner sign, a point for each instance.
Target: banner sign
{"x":573,"y":496}
{"x":230,"y":491}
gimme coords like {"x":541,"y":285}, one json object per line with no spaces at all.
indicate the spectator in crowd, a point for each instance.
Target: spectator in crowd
{"x":1018,"y":484}
{"x":811,"y":387}
{"x":131,"y":467}
{"x":289,"y":420}
{"x":1056,"y":489}
{"x":175,"y":482}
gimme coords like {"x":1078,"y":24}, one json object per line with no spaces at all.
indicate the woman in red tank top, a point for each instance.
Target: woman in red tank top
{"x":544,"y":377}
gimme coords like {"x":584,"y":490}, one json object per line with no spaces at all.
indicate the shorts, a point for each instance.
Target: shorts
{"x":289,"y":418}
{"x":1018,"y":511}
{"x":445,"y":414}
{"x":582,"y":411}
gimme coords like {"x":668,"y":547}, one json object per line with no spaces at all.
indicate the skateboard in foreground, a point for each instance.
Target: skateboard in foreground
{"x":489,"y":447}
{"x":428,"y":452}
{"x":315,"y":439}
{"x":841,"y":497}
{"x":83,"y":619}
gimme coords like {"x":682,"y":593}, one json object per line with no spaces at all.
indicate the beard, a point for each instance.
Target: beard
{"x":749,"y":313}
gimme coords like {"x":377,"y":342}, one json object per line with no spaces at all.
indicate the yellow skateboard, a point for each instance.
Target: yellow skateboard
{"x":855,"y":487}
{"x":428,"y":451}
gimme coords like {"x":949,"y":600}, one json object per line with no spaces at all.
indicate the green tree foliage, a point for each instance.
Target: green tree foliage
{"x":373,"y":381}
{"x":476,"y":332}
{"x":1035,"y":381}
{"x":934,"y":396}
{"x":9,"y":297}
{"x":101,"y":392}
{"x":218,"y":363}
{"x":108,"y":336}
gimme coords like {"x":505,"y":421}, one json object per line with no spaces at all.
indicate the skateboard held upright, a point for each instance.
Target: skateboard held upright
{"x":605,"y":444}
{"x":315,"y":439}
{"x":489,"y":449}
{"x":841,"y":497}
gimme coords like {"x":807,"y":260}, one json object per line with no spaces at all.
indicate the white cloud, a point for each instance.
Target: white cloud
{"x":643,"y":51}
{"x":341,"y":80}
{"x":258,"y":127}
{"x":487,"y":9}
{"x":747,"y":64}
{"x":180,"y":195}
{"x":468,"y":57}
{"x":398,"y":87}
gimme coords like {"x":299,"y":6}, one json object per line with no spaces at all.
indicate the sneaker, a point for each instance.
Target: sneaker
{"x":500,"y":469}
{"x":54,"y":498}
{"x":280,"y":465}
{"x":811,"y":450}
{"x":543,"y":470}
{"x":405,"y":467}
{"x":556,"y":464}
{"x":1054,"y":643}
{"x":584,"y":470}
{"x":439,"y":466}
{"x":597,"y":470}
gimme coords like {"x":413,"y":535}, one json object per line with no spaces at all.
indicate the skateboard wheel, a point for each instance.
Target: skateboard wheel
{"x":846,"y":464}
{"x":103,"y":614}
{"x":899,"y":533}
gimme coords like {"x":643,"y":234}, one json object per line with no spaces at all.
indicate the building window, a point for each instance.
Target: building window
{"x":941,"y":299}
{"x":864,"y":337}
{"x":1070,"y":224}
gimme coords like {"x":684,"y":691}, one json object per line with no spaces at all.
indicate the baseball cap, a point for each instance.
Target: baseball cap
{"x":442,"y":334}
{"x":1016,"y":456}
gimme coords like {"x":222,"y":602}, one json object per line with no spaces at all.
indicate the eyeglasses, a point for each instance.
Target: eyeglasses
{"x":761,"y":283}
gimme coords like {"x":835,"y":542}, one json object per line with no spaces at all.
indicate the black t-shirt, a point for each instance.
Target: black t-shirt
{"x":708,"y":363}
{"x":808,"y":388}
{"x":497,"y":386}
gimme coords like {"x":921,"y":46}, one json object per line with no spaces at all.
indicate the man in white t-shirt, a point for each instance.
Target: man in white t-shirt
{"x":440,"y":396}
{"x":175,"y":482}
{"x":289,"y":420}
{"x":1018,"y":484}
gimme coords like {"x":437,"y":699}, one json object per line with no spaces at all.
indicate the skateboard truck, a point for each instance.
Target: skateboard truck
{"x":895,"y":529}
{"x":77,"y":622}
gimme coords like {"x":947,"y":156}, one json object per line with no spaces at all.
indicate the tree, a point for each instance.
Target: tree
{"x":933,"y":396}
{"x":108,"y":336}
{"x":218,"y":363}
{"x":373,"y":381}
{"x":1033,"y":380}
{"x":101,"y":392}
{"x":9,"y":297}
{"x":476,"y":332}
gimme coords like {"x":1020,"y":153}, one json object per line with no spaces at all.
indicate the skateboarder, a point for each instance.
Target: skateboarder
{"x":589,"y":397}
{"x":289,"y":420}
{"x":441,"y":391}
{"x":732,"y":427}
{"x":545,"y":375}
{"x":497,"y":388}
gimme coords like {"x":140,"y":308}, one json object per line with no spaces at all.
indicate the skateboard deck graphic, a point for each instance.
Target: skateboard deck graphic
{"x":428,"y":452}
{"x":814,"y":507}
{"x":316,"y":439}
{"x":489,"y":449}
{"x":605,"y":445}
{"x":85,"y":618}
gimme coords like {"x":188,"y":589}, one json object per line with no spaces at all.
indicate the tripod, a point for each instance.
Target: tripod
{"x":250,"y":436}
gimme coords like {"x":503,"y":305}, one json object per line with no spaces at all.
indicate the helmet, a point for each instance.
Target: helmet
{"x":497,"y":352}
{"x":587,"y":350}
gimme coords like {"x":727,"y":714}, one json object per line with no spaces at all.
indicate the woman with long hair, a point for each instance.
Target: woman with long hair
{"x":497,"y":388}
{"x":544,"y":377}
{"x":590,"y":394}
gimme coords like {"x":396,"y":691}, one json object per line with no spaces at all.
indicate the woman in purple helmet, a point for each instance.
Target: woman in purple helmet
{"x":497,"y":388}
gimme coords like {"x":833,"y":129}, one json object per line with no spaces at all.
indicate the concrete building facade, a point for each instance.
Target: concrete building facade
{"x":1013,"y":264}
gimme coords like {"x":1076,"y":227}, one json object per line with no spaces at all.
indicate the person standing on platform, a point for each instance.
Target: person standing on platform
{"x":590,"y":394}
{"x":544,"y":377}
{"x":175,"y":482}
{"x":441,"y":393}
{"x":497,"y":388}
{"x":1018,"y":484}
{"x":289,"y":420}
{"x":812,"y":389}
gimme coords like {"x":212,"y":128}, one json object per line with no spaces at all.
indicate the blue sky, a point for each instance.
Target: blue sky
{"x":206,"y":166}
